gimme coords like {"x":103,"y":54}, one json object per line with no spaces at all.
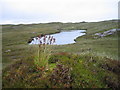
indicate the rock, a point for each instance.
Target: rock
{"x":109,"y":32}
{"x":33,"y":32}
{"x":98,"y":34}
{"x":8,"y":50}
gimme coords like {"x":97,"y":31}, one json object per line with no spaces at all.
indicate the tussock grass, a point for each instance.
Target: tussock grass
{"x":44,"y":52}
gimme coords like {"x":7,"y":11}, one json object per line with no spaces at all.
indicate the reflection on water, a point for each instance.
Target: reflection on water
{"x":65,"y":37}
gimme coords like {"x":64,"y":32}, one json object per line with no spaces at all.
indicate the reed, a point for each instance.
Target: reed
{"x":44,"y":52}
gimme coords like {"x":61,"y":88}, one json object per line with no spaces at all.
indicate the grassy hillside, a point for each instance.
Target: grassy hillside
{"x":98,"y":56}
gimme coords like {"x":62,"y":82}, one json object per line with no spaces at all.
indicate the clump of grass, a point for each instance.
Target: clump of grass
{"x":44,"y":51}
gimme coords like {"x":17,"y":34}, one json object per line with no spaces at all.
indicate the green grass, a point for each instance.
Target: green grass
{"x":66,"y":70}
{"x":91,"y":62}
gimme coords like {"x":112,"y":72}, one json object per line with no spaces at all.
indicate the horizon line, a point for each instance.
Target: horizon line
{"x":53,"y":22}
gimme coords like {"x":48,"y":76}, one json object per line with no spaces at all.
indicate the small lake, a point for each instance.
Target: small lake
{"x":64,"y":37}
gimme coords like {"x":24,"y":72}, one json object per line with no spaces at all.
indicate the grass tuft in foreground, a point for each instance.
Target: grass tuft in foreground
{"x":44,"y":52}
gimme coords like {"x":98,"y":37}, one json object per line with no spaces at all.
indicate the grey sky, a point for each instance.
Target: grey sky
{"x":41,"y":11}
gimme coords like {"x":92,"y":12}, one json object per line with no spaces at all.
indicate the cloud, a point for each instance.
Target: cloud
{"x":59,"y":10}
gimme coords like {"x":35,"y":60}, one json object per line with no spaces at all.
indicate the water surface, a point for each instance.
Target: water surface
{"x":64,"y":37}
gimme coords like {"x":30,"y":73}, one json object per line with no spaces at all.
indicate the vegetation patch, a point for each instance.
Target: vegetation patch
{"x":69,"y":71}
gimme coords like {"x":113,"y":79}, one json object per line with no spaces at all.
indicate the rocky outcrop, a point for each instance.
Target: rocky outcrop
{"x":106,"y":33}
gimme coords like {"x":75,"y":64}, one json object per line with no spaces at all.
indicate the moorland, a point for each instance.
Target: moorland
{"x":91,"y":62}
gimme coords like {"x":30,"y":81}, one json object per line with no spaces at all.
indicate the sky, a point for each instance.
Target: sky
{"x":44,"y":11}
